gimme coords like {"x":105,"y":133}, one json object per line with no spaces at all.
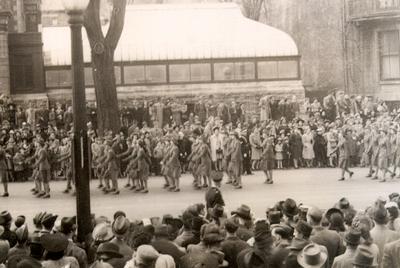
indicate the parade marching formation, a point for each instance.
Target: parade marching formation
{"x":208,"y":140}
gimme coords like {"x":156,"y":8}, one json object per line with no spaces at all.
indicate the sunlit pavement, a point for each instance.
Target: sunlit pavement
{"x":318,"y":187}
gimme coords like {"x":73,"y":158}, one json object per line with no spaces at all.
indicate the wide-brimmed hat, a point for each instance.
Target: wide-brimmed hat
{"x":22,"y":233}
{"x":312,"y":256}
{"x":304,"y":228}
{"x":202,"y":259}
{"x":380,"y":214}
{"x":344,"y":203}
{"x":146,"y":254}
{"x":57,"y":242}
{"x":331,"y":211}
{"x":68,"y":224}
{"x":162,"y":230}
{"x":5,"y":217}
{"x":352,"y":236}
{"x":108,"y":250}
{"x":102,"y":232}
{"x":217,"y":211}
{"x":243,"y":211}
{"x":289,"y":208}
{"x":49,"y":219}
{"x":212,"y":233}
{"x":19,"y":221}
{"x":274,"y":217}
{"x":363,"y":258}
{"x":121,"y":225}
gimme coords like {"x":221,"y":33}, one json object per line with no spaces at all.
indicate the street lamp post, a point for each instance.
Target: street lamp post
{"x":80,"y":149}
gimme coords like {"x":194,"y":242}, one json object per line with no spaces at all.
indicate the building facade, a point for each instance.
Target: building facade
{"x":350,"y":45}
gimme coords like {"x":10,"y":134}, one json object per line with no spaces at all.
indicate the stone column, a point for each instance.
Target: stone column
{"x":4,"y":61}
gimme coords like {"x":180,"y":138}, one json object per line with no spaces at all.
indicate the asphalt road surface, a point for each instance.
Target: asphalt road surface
{"x":318,"y":187}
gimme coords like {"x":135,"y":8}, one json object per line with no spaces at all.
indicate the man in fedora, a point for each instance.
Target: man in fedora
{"x":290,"y":210}
{"x":120,"y":228}
{"x":381,"y":234}
{"x":302,"y":233}
{"x":48,"y":221}
{"x":364,"y":258}
{"x":68,"y":227}
{"x":282,"y":238}
{"x":243,"y":217}
{"x":312,"y":257}
{"x":109,"y":252}
{"x":55,"y":246}
{"x":163,"y":245}
{"x":321,"y":236}
{"x":21,"y":248}
{"x":232,"y":245}
{"x":5,"y":222}
{"x":352,"y":240}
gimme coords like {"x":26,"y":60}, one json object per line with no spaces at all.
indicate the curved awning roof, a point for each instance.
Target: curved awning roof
{"x":166,"y":32}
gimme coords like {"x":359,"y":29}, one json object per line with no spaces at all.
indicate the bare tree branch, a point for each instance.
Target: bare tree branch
{"x":92,"y":23}
{"x":116,"y":23}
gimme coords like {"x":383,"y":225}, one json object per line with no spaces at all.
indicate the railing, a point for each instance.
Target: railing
{"x":370,"y":8}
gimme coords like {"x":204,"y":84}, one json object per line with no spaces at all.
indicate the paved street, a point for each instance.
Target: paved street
{"x":310,"y":186}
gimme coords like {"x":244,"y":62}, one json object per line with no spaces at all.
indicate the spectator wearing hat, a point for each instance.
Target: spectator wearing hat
{"x":363,"y":258}
{"x":243,"y":218}
{"x":380,"y":234}
{"x":352,"y":240}
{"x":282,"y":235}
{"x":321,"y":236}
{"x":260,"y":253}
{"x":68,"y":227}
{"x":21,"y":248}
{"x":312,"y":257}
{"x":394,"y":220}
{"x":37,"y":222}
{"x":163,"y":245}
{"x":120,"y":228}
{"x":4,"y":248}
{"x":55,"y":245}
{"x":289,"y":210}
{"x":19,"y":221}
{"x":232,"y":245}
{"x":196,"y":225}
{"x":7,"y":234}
{"x":186,"y":233}
{"x":302,"y":233}
{"x":218,"y":215}
{"x":109,"y":252}
{"x":47,"y":221}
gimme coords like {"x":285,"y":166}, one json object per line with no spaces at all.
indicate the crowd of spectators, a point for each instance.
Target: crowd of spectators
{"x":305,"y":134}
{"x":289,"y":235}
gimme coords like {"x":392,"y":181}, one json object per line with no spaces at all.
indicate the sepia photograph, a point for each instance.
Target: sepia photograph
{"x":199,"y":133}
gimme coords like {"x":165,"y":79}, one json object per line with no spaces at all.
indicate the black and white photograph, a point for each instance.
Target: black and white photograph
{"x":199,"y":133}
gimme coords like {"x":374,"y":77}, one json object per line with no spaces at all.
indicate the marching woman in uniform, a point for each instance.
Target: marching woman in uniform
{"x":143,"y":166}
{"x":127,"y":154}
{"x":268,"y":158}
{"x":112,"y":170}
{"x":374,"y":153}
{"x":397,"y":153}
{"x":173,"y":166}
{"x":382,"y":154}
{"x":43,"y":165}
{"x":236,"y":160}
{"x":205,"y":162}
{"x":194,"y":162}
{"x":131,"y":168}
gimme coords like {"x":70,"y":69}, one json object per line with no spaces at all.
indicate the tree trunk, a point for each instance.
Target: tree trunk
{"x":106,"y":93}
{"x":103,"y":48}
